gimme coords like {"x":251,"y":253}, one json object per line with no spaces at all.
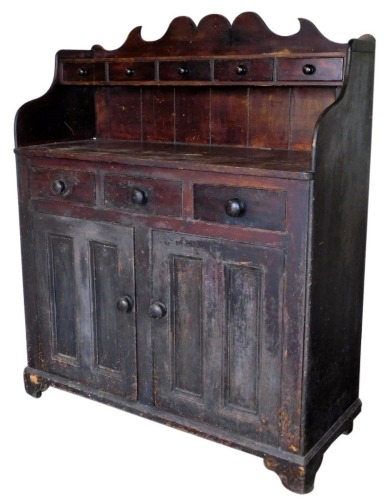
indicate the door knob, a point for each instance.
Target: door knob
{"x":235,"y":207}
{"x":157,"y":310}
{"x":125,"y":304}
{"x":58,"y":187}
{"x":139,"y":197}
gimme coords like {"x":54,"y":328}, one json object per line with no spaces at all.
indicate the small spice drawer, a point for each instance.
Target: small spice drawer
{"x":132,"y":71}
{"x":246,"y":70}
{"x":144,"y":195}
{"x":317,"y":69}
{"x":257,"y":208}
{"x":71,"y":185}
{"x":184,"y":70}
{"x":83,"y":72}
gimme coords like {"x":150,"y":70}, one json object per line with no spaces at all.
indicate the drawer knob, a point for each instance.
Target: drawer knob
{"x":235,"y":207}
{"x":157,"y":310}
{"x":241,"y":69}
{"x":125,"y":304}
{"x":309,"y":69}
{"x":129,"y":71}
{"x":58,"y":187}
{"x":139,"y":197}
{"x":183,"y":71}
{"x":83,"y":71}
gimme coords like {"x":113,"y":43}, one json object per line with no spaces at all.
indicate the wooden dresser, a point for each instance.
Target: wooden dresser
{"x":193,"y":221}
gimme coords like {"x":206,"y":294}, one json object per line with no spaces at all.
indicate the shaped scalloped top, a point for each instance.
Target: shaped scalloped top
{"x":214,"y":35}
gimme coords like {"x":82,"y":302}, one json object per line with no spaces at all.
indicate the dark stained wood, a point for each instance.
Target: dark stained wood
{"x":297,"y":478}
{"x":74,"y":72}
{"x":192,"y":115}
{"x":62,"y":114}
{"x":193,"y":217}
{"x":61,"y":275}
{"x":229,"y":116}
{"x":244,"y":70}
{"x":161,"y":197}
{"x":131,"y":71}
{"x":101,"y":113}
{"x":323,"y":68}
{"x":243,"y":161}
{"x":66,"y":252}
{"x":79,"y":187}
{"x":34,"y":347}
{"x":193,"y":385}
{"x":34,"y":384}
{"x":342,"y":156}
{"x":263,"y":209}
{"x":123,"y":113}
{"x":187,"y":323}
{"x":306,"y":107}
{"x":158,"y":121}
{"x":184,"y":70}
{"x":104,"y":269}
{"x":269,"y":118}
{"x":215,"y":35}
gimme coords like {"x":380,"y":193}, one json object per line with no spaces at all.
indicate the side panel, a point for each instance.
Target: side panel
{"x":342,"y":157}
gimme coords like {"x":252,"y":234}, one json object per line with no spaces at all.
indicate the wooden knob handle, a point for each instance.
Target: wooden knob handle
{"x":183,"y":71}
{"x":58,"y":186}
{"x":241,"y":69}
{"x":157,"y":310}
{"x":139,"y":197}
{"x":235,"y":207}
{"x":309,"y":69}
{"x":125,"y":304}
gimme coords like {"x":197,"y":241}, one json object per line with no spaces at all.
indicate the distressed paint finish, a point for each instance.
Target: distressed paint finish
{"x":211,"y":327}
{"x":193,"y":216}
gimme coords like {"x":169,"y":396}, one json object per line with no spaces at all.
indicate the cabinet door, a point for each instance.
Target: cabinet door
{"x":218,"y":348}
{"x":85,"y":290}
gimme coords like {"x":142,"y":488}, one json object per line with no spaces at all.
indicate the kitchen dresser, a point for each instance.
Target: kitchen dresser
{"x":193,"y":221}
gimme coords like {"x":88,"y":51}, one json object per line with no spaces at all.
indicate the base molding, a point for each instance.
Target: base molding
{"x":297,"y":478}
{"x":297,"y":472}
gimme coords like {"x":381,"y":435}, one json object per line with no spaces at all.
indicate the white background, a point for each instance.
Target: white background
{"x":63,"y":446}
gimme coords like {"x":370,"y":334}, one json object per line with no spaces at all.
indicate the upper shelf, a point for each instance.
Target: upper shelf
{"x":212,"y":53}
{"x":300,"y":70}
{"x":215,"y":83}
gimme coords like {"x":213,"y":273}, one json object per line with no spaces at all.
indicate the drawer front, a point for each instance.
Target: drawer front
{"x":83,"y":72}
{"x":70,"y":185}
{"x":257,"y":208}
{"x":184,"y":70}
{"x":319,"y":69}
{"x":132,"y":71}
{"x":143,"y":195}
{"x":246,"y":70}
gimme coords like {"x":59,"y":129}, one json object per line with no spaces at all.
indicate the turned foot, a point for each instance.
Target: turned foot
{"x":297,"y":478}
{"x":34,"y":384}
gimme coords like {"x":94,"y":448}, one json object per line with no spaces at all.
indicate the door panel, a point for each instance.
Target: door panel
{"x":218,"y":349}
{"x":187,"y":355}
{"x":62,"y":281}
{"x":104,"y":265}
{"x":242,"y":336}
{"x":82,"y":268}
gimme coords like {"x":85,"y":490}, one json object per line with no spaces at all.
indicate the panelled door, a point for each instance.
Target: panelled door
{"x":217,"y":331}
{"x":86,"y":294}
